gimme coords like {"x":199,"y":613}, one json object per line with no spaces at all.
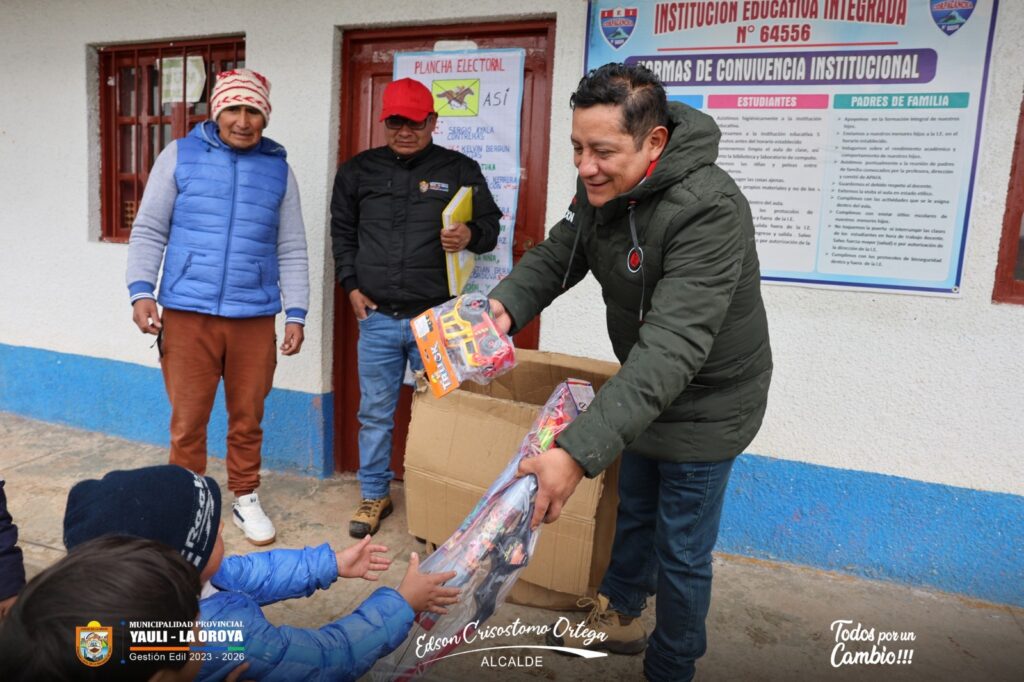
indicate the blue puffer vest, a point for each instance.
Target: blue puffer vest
{"x":222,"y":253}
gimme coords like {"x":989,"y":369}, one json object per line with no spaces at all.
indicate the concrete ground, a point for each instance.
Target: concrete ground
{"x":768,"y":621}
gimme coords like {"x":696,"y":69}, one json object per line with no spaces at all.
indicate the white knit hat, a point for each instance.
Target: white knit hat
{"x":240,"y":87}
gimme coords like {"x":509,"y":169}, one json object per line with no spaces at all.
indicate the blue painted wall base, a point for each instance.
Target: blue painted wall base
{"x":877,"y":526}
{"x":127,"y":400}
{"x":871,"y":525}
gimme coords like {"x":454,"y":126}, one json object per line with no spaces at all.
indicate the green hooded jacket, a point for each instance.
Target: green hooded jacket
{"x":696,"y":364}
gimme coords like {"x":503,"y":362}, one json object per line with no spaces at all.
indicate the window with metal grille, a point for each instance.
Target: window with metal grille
{"x":151,"y":94}
{"x":1009,"y":286}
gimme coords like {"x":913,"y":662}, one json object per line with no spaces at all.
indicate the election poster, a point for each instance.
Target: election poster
{"x":478,"y":97}
{"x":852,"y":126}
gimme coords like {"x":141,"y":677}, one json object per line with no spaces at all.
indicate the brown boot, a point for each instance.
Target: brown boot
{"x":367,"y":518}
{"x":621,"y":634}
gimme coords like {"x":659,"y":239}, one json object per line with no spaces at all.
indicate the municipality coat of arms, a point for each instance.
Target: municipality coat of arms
{"x":94,"y":643}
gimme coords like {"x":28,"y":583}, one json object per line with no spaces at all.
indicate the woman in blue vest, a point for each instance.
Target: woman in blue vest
{"x":221,"y":210}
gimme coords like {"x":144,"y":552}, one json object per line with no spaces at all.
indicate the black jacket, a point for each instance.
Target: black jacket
{"x":386,"y":224}
{"x":12,"y":566}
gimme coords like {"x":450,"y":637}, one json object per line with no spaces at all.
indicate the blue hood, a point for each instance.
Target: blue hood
{"x":207,"y":133}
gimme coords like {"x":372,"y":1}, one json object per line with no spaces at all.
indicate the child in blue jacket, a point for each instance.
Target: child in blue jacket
{"x":182,"y":509}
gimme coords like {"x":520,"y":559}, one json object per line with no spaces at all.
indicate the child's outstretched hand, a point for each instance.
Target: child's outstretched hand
{"x":425,"y":591}
{"x":361,"y":558}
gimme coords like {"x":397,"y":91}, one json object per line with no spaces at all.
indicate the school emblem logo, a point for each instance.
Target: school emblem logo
{"x":95,"y":643}
{"x":950,"y":15}
{"x":617,"y":25}
{"x":635,"y":259}
{"x":456,"y":97}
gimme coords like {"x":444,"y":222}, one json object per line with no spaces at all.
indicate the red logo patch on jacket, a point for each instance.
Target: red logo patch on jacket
{"x":635,"y":259}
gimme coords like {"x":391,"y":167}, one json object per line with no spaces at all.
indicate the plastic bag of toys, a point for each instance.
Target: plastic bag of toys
{"x":488,"y":551}
{"x":459,"y":342}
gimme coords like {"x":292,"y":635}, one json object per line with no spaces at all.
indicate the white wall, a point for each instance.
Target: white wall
{"x":921,"y":387}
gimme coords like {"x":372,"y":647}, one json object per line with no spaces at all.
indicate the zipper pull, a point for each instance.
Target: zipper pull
{"x":636,"y":246}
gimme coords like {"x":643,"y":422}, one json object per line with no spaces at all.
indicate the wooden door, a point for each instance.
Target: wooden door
{"x":367,"y":66}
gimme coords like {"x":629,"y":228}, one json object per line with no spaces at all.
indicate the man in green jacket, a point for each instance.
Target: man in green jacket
{"x":670,"y":239}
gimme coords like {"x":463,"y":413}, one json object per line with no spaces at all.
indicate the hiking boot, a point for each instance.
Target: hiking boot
{"x":622,"y":634}
{"x":367,"y":518}
{"x":249,"y":516}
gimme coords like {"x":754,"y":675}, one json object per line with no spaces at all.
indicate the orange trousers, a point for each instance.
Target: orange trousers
{"x":196,"y":351}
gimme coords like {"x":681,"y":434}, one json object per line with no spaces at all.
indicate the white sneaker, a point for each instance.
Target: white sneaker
{"x":249,"y":516}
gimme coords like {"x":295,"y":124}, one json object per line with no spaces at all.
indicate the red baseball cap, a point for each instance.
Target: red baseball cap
{"x":407,"y":98}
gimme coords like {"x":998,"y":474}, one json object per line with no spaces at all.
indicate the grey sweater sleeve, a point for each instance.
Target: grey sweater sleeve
{"x":293,"y":262}
{"x":152,"y":226}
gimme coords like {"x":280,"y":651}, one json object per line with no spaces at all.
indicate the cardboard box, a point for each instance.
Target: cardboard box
{"x":459,"y":444}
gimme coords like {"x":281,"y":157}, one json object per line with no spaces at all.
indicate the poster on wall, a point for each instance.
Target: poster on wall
{"x":182,"y":80}
{"x":852,"y":126}
{"x":478,"y":97}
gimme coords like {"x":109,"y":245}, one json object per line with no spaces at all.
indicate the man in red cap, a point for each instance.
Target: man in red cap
{"x":389,"y":255}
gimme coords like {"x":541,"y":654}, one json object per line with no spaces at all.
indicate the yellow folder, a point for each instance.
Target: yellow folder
{"x":460,"y":263}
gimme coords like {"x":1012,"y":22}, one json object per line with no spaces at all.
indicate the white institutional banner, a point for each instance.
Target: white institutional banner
{"x":853,"y":126}
{"x":478,"y":97}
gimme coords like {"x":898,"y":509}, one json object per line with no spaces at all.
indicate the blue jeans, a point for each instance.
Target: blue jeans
{"x":385,"y":344}
{"x":674,"y":507}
